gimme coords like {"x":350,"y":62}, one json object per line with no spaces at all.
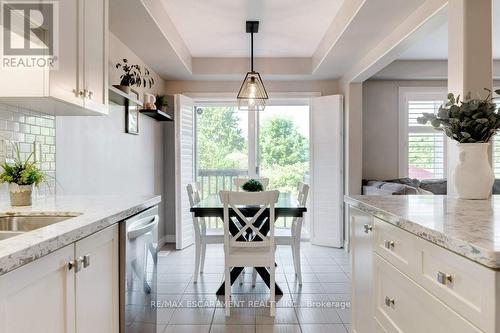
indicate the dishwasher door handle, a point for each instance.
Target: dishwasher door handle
{"x":138,"y":228}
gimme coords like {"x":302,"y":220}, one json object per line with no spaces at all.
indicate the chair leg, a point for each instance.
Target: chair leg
{"x":197,"y":251}
{"x":203,"y":251}
{"x":272,"y":271}
{"x":254,"y":277}
{"x":227,"y":290}
{"x":296,"y":260}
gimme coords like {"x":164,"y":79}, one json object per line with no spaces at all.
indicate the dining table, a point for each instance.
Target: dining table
{"x":287,"y":206}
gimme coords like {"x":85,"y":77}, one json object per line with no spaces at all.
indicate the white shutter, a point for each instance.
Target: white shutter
{"x":327,"y":190}
{"x":184,"y":165}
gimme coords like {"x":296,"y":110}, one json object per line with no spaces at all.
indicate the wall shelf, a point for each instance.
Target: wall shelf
{"x":119,"y":97}
{"x":157,"y":114}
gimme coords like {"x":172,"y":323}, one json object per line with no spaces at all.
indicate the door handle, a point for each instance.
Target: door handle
{"x":78,"y":264}
{"x":86,"y":260}
{"x":368,"y":228}
{"x":138,"y":228}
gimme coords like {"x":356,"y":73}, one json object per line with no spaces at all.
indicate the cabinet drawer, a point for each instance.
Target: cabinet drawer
{"x":460,"y":283}
{"x":395,"y":245}
{"x":402,"y":306}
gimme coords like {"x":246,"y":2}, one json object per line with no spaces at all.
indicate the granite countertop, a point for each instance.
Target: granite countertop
{"x":470,"y":228}
{"x":94,"y":213}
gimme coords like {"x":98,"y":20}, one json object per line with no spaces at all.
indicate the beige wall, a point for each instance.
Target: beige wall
{"x":381,"y":126}
{"x":325,"y":87}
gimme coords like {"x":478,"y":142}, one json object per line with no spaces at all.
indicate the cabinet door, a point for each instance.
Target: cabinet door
{"x":95,"y":26}
{"x":97,"y":299}
{"x":66,"y":82}
{"x":362,"y":271}
{"x":40,"y":296}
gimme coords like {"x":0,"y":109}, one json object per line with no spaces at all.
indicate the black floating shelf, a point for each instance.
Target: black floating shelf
{"x":157,"y":114}
{"x":119,"y":97}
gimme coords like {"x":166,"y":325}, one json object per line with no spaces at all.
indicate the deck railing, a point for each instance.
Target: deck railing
{"x":214,"y":180}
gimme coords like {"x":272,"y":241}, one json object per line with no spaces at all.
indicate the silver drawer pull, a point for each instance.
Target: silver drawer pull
{"x":368,"y":228}
{"x":71,"y":264}
{"x":389,"y":244}
{"x":389,"y":301}
{"x":86,"y":261}
{"x":444,"y":278}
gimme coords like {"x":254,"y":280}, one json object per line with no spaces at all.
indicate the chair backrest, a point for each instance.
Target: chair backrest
{"x":234,"y":202}
{"x":199,"y":225}
{"x":303,"y":193}
{"x":239,"y":182}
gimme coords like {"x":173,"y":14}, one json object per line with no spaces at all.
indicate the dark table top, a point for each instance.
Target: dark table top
{"x":286,"y":206}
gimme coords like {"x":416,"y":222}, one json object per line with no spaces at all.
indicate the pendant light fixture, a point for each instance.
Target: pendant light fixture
{"x":252,"y":95}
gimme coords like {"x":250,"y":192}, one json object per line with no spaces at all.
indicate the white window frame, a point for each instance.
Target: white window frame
{"x":414,"y":93}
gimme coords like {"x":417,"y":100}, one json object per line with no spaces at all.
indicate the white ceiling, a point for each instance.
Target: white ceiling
{"x":435,"y":45}
{"x":216,"y":28}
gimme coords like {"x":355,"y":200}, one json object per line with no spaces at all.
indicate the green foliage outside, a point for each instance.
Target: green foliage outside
{"x":421,"y":152}
{"x":283,"y":149}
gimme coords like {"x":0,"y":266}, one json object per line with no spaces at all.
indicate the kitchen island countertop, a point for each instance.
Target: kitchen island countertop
{"x":470,"y":228}
{"x":94,"y":214}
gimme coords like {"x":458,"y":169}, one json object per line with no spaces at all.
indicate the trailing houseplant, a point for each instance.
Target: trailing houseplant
{"x":21,"y":175}
{"x":253,"y":185}
{"x":133,"y":76}
{"x":472,"y":123}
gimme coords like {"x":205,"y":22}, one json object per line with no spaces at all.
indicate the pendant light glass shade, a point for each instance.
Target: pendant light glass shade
{"x":252,"y":95}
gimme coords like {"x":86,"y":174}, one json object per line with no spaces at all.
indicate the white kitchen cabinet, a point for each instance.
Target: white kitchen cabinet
{"x":78,"y":86}
{"x":40,"y":296}
{"x":72,"y":290}
{"x":362,"y":271}
{"x":97,"y":298}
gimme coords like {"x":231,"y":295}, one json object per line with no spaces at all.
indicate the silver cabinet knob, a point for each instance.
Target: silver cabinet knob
{"x":90,"y":94}
{"x":71,"y":264}
{"x":79,"y":93}
{"x":389,"y":301}
{"x":78,"y":264}
{"x":86,"y":261}
{"x":444,"y":278}
{"x":368,"y":228}
{"x":389,"y":244}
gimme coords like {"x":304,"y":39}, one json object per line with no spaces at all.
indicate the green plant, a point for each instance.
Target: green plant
{"x":132,"y":75}
{"x":253,"y":185}
{"x":21,"y":172}
{"x":161,"y":101}
{"x":466,"y":121}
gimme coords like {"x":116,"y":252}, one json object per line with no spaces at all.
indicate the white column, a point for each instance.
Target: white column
{"x":470,"y":58}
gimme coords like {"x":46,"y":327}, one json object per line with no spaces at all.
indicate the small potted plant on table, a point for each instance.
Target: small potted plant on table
{"x":253,"y":185}
{"x":21,"y":175}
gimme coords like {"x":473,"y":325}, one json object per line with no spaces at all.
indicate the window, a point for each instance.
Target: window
{"x":422,"y":148}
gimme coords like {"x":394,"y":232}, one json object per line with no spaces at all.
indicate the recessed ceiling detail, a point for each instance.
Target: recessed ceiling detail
{"x":216,"y":28}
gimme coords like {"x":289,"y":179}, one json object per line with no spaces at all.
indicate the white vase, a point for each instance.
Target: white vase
{"x":473,"y":176}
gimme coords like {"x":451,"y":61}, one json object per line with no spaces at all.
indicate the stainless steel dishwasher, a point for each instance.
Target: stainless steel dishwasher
{"x":138,"y":263}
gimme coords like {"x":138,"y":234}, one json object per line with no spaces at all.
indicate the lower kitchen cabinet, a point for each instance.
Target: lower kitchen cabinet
{"x":71,"y":290}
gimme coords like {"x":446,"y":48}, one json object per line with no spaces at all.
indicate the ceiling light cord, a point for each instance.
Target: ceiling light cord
{"x":251,"y":47}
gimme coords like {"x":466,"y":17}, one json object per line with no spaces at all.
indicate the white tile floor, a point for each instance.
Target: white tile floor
{"x":321,"y":304}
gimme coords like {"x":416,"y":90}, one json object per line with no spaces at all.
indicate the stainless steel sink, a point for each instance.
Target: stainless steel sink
{"x":13,"y":225}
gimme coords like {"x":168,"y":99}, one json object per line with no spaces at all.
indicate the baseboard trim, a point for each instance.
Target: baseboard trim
{"x":166,"y":240}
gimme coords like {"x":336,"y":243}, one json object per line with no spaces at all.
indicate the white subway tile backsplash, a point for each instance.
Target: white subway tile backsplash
{"x":25,"y":127}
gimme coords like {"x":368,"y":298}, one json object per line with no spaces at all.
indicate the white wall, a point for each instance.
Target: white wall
{"x":95,"y":156}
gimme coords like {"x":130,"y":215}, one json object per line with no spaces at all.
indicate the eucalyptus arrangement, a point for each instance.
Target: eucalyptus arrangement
{"x":133,"y":76}
{"x":472,"y":123}
{"x":21,"y":175}
{"x":466,"y":121}
{"x":253,"y":185}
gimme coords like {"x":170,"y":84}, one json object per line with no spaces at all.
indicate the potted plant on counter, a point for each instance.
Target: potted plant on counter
{"x":472,"y":123}
{"x":253,"y":185}
{"x":21,"y":175}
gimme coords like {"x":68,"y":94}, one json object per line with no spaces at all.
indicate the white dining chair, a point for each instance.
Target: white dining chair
{"x":292,"y":236}
{"x":240,"y":181}
{"x":239,"y":253}
{"x":202,"y":236}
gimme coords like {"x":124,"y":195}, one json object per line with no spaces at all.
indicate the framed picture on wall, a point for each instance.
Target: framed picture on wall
{"x":132,"y":120}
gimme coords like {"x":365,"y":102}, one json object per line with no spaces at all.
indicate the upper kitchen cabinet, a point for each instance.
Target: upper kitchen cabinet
{"x":72,"y":35}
